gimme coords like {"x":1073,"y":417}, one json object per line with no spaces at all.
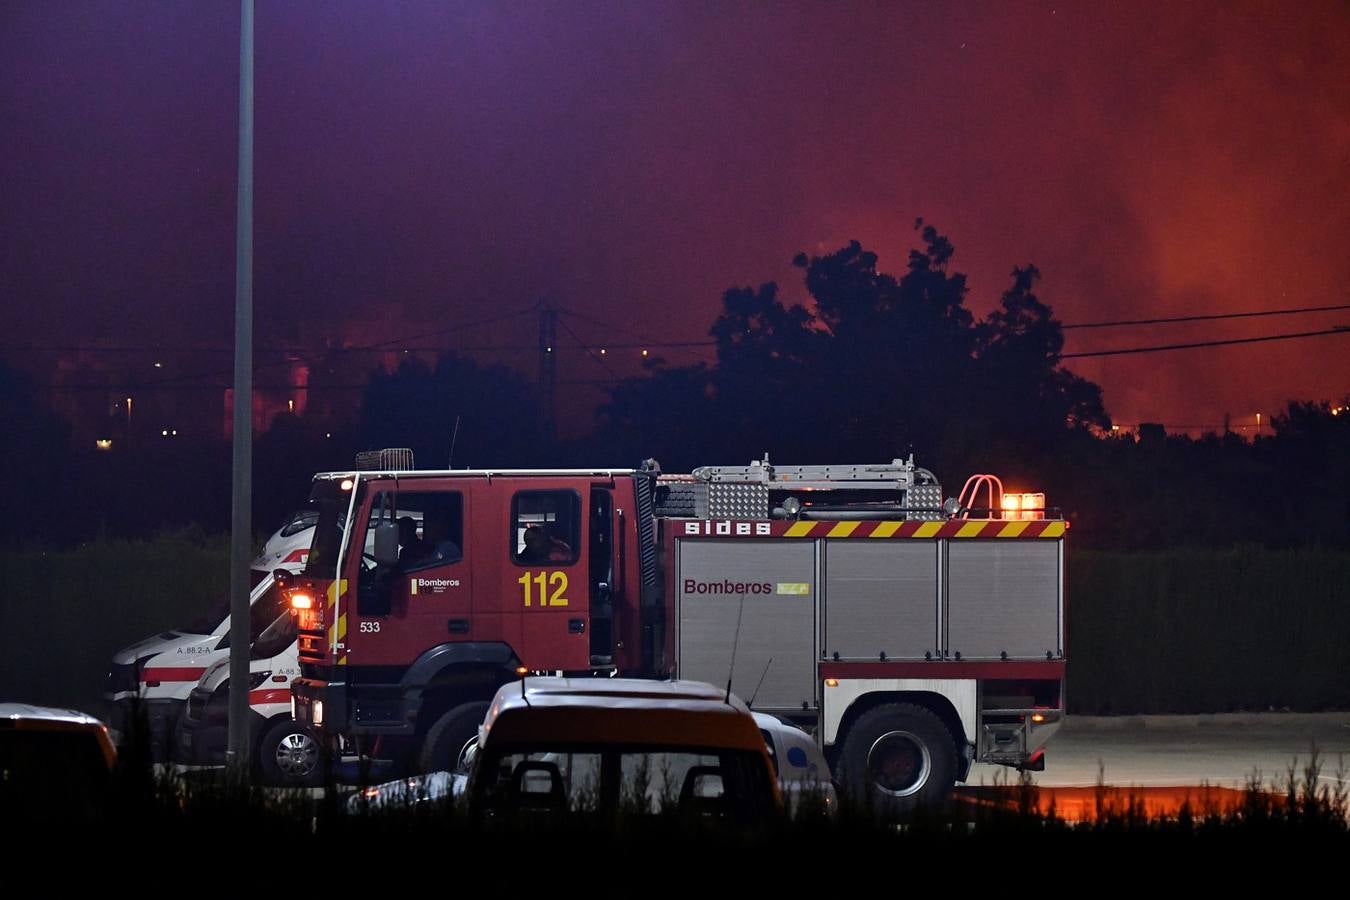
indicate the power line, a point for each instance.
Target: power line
{"x":189,"y":377}
{"x":1195,"y":344}
{"x":598,"y":357}
{"x":1208,"y":317}
{"x":400,"y":343}
{"x":175,"y":384}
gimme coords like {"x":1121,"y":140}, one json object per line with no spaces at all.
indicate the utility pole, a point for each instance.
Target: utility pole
{"x":241,"y":522}
{"x":548,"y":366}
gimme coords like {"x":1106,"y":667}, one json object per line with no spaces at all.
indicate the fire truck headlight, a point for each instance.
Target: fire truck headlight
{"x":316,"y":712}
{"x":302,"y":601}
{"x":292,"y":707}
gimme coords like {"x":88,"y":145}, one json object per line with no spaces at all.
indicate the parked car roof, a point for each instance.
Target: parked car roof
{"x":26,"y":717}
{"x":619,"y":710}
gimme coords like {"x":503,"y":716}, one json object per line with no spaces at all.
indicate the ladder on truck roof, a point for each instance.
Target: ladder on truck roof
{"x":763,"y":490}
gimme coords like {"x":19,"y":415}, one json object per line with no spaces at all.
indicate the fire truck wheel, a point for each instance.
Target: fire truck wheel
{"x":450,"y":741}
{"x":898,"y":757}
{"x":289,"y":755}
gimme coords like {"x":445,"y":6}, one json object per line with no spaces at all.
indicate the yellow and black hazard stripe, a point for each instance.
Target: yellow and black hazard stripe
{"x":955,"y":528}
{"x":338,"y":630}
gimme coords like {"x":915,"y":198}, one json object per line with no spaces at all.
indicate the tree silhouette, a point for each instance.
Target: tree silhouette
{"x":879,"y":366}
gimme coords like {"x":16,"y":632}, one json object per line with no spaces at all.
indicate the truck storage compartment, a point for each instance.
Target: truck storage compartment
{"x":880,"y":597}
{"x":776,"y":582}
{"x":1003,"y":597}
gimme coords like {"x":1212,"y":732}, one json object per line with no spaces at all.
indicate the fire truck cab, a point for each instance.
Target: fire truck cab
{"x":912,"y":637}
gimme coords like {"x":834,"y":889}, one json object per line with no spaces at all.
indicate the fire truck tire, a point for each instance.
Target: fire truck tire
{"x":897,"y":758}
{"x":290,"y":755}
{"x":449,"y":739}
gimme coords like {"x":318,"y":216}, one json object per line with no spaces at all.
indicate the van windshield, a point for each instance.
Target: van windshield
{"x":639,"y":780}
{"x":215,"y":614}
{"x":276,"y":637}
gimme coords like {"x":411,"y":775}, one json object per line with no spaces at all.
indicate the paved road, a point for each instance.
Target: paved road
{"x":1221,"y":750}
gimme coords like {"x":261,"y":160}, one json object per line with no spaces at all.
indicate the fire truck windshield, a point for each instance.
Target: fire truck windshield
{"x":330,"y":501}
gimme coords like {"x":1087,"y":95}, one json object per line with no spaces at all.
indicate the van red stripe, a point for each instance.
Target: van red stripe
{"x":170,"y":673}
{"x":269,"y":695}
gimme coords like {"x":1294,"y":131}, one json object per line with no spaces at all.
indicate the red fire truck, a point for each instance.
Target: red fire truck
{"x":912,"y":636}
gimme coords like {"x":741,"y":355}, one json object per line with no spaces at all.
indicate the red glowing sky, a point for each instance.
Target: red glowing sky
{"x":632,"y":161}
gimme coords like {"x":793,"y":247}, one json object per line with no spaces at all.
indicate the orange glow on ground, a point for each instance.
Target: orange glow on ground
{"x":1080,"y":804}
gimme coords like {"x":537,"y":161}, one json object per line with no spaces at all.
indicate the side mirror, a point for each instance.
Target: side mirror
{"x":386,"y":544}
{"x":282,"y":578}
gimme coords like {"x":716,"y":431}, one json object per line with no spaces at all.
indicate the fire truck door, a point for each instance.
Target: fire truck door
{"x":428,"y":594}
{"x":602,"y":588}
{"x":547,"y":580}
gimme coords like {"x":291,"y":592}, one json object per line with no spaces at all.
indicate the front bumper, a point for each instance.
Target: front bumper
{"x":203,"y":731}
{"x":312,"y":695}
{"x":149,"y":723}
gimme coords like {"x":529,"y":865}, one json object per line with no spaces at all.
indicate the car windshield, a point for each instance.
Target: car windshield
{"x":330,"y":502}
{"x":638,"y":780}
{"x":305,"y":518}
{"x":215,"y":614}
{"x":276,"y":637}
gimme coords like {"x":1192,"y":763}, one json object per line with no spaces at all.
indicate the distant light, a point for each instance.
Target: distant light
{"x":549,"y":350}
{"x":174,"y":432}
{"x":644,"y":352}
{"x":328,"y":434}
{"x":103,"y":443}
{"x":165,"y":432}
{"x":602,"y":351}
{"x":290,"y":405}
{"x":159,"y":365}
{"x":1115,"y":427}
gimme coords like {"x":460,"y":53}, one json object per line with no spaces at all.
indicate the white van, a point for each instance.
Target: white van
{"x":288,"y":547}
{"x":284,"y":753}
{"x":166,"y":677}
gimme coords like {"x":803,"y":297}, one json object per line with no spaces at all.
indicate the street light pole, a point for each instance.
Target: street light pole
{"x":241,"y":524}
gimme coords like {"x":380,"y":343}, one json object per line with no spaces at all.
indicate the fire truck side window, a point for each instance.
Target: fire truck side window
{"x":431,"y":526}
{"x":545,"y":528}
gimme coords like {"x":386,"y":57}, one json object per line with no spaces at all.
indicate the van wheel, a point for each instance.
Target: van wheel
{"x":290,"y":755}
{"x":451,"y":741}
{"x":897,"y":758}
